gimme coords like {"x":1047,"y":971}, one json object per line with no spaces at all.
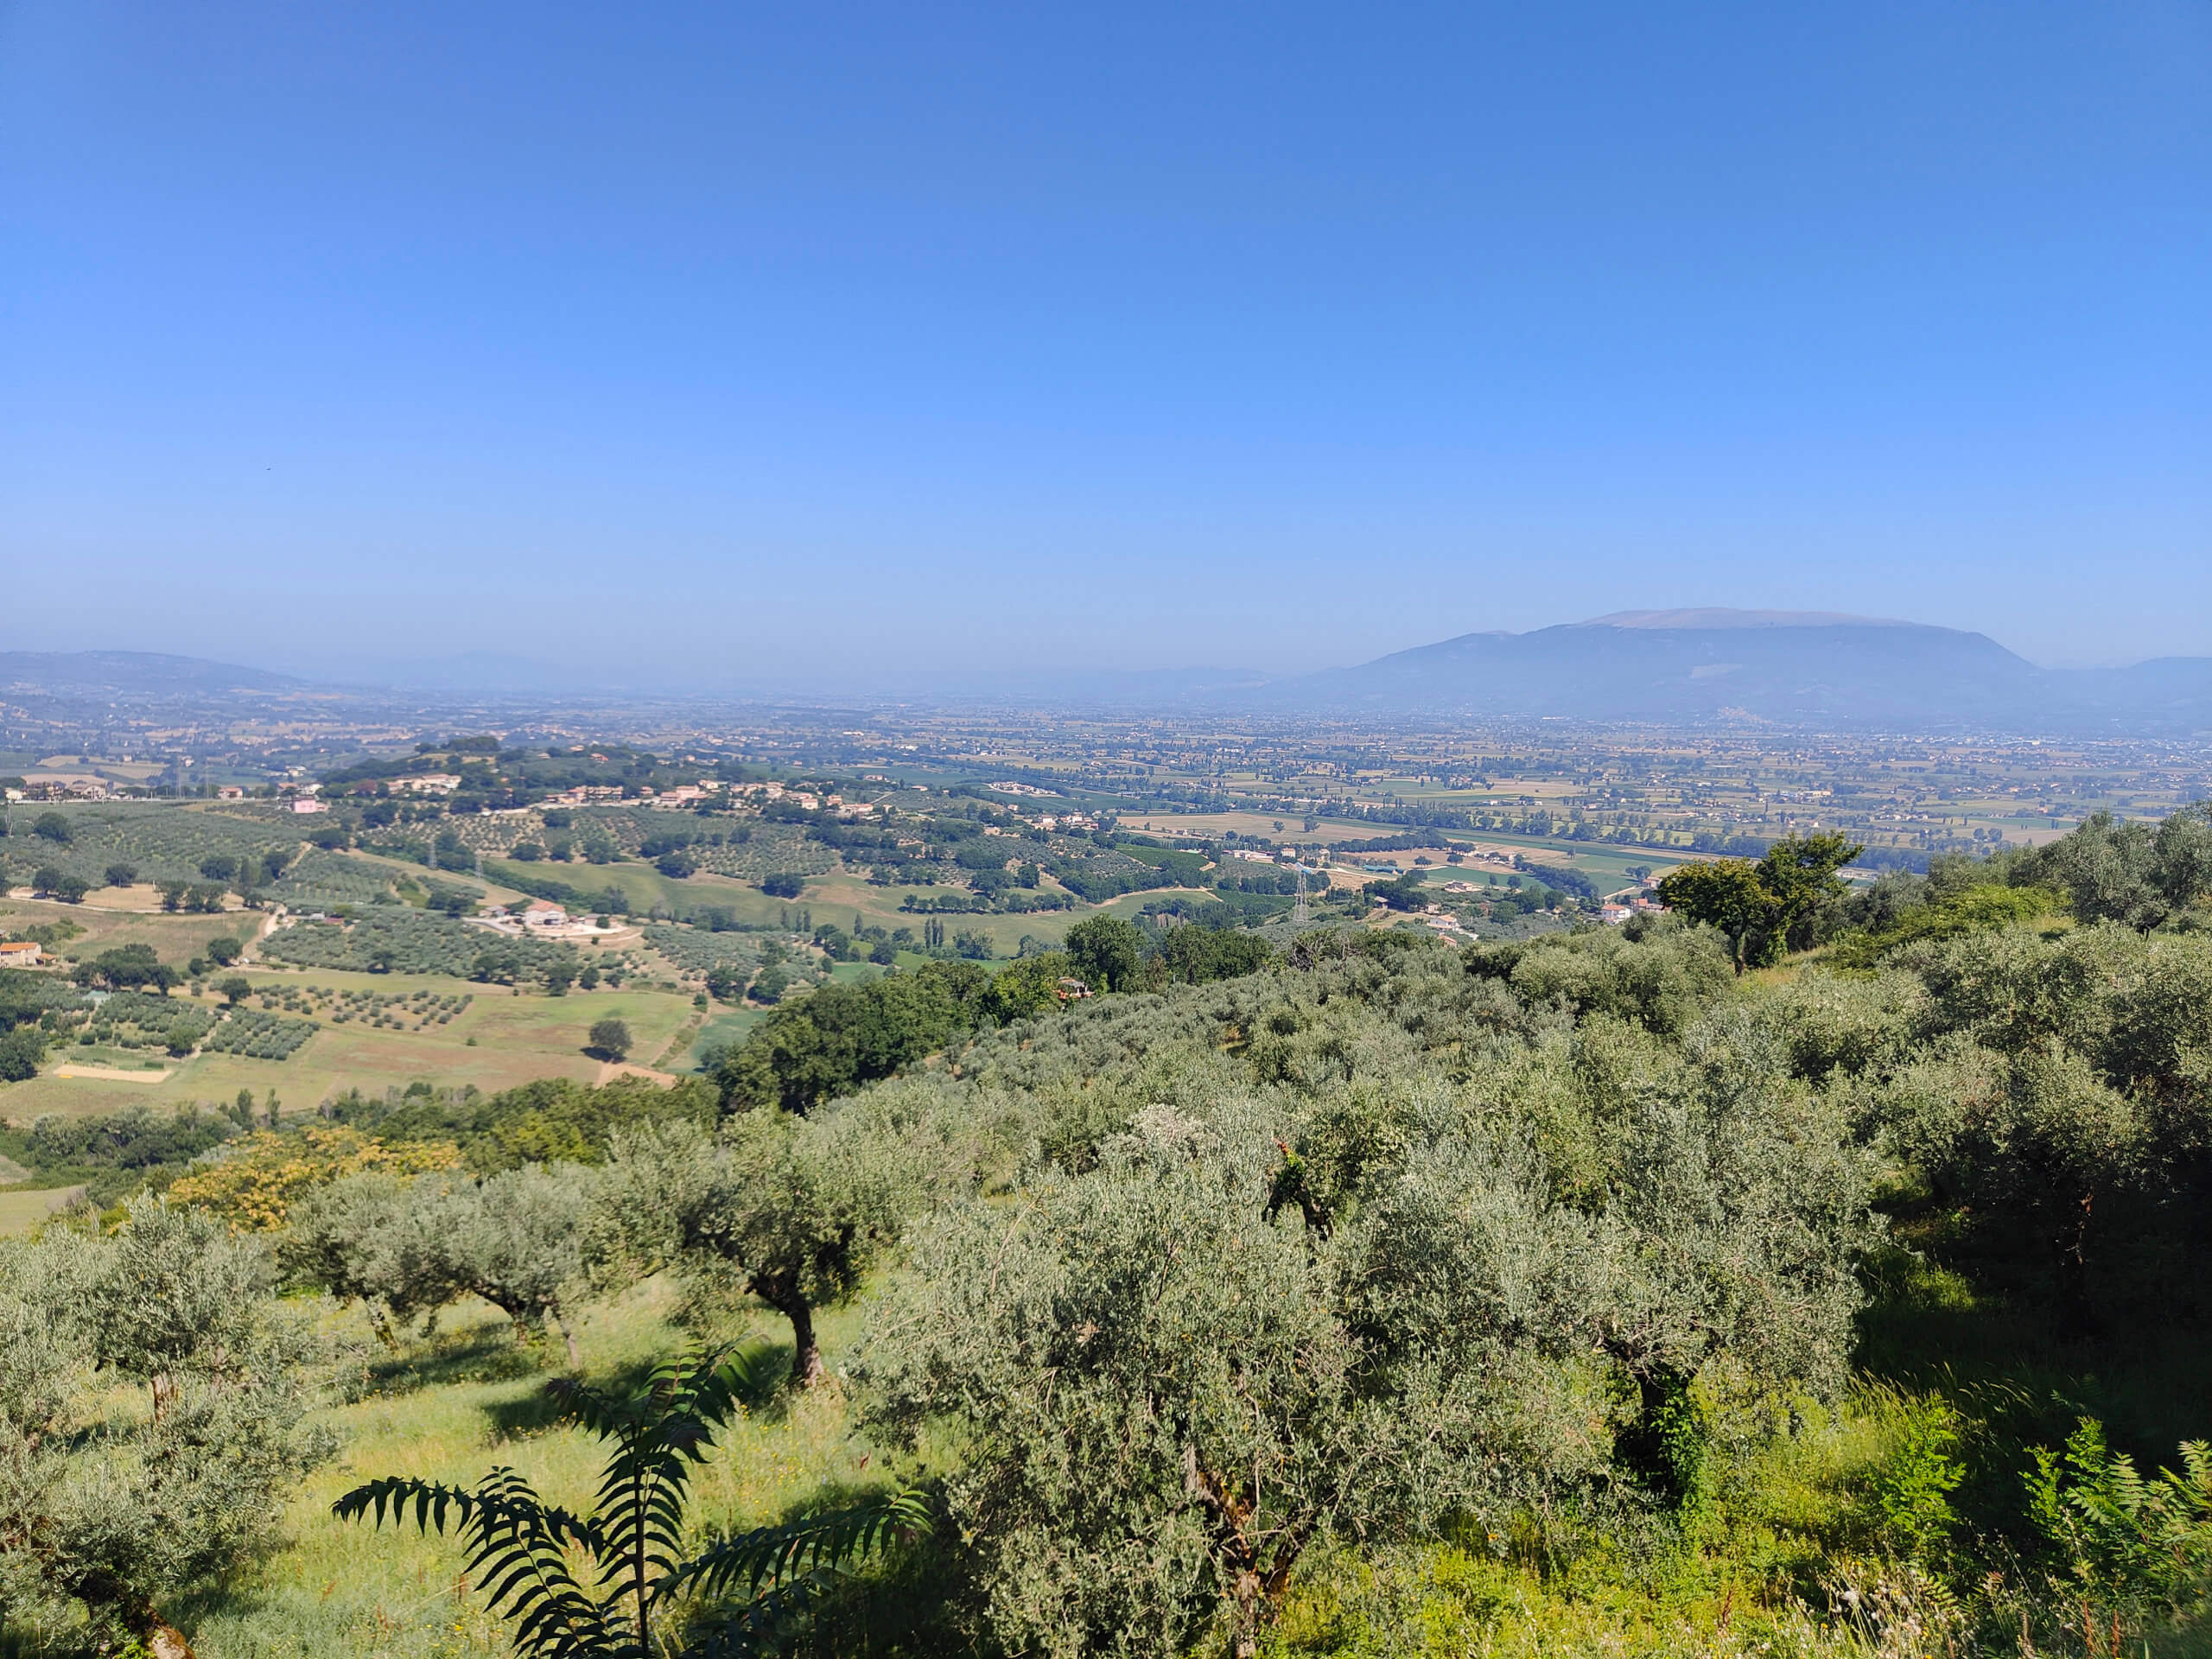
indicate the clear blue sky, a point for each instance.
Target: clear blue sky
{"x":1134,"y":334}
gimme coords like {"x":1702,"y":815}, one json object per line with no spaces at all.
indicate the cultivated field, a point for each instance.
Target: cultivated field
{"x":517,"y":1038}
{"x":175,"y":938}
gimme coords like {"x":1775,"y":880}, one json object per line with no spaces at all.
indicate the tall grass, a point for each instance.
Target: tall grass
{"x":448,"y":1407}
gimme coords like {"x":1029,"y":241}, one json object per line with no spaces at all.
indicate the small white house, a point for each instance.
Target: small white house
{"x":538,"y":912}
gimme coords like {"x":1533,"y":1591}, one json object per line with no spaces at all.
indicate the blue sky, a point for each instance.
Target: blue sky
{"x":825,"y":338}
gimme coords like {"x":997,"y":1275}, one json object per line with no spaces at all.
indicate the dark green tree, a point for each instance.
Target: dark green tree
{"x":1107,"y":952}
{"x":1763,"y":908}
{"x":842,"y":1036}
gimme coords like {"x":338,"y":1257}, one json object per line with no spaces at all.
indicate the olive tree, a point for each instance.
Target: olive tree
{"x":1739,"y":1207}
{"x":1171,"y":1386}
{"x":119,"y":1511}
{"x":517,"y":1239}
{"x":174,"y":1293}
{"x":796,"y":1209}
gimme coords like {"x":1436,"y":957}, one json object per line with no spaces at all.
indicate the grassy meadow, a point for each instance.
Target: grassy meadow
{"x":448,"y":1407}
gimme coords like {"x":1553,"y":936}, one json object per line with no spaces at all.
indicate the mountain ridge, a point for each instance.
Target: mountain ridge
{"x":1803,"y":668}
{"x":135,"y":672}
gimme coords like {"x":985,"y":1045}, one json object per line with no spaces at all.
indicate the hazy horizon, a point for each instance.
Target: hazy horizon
{"x":520,"y":671}
{"x":768,"y":346}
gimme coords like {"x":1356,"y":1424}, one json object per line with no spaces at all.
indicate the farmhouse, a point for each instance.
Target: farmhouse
{"x":540,"y":913}
{"x":25,"y":954}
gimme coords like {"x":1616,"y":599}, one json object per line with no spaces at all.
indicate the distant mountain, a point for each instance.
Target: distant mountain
{"x":1806,"y":668}
{"x":132,"y":673}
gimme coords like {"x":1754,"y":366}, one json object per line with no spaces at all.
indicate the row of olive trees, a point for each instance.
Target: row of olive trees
{"x":788,"y":1212}
{"x":408,"y":1247}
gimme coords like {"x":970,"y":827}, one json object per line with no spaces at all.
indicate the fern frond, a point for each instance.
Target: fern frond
{"x":433,"y":1504}
{"x":752,"y":1630}
{"x":517,"y":1553}
{"x":829,"y":1543}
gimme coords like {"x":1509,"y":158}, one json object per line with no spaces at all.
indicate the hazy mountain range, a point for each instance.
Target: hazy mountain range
{"x":1687,"y":667}
{"x":1807,"y":669}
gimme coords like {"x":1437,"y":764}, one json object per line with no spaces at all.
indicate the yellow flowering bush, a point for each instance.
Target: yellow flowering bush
{"x":269,"y":1171}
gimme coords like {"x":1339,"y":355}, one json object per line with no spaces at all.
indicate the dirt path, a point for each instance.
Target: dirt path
{"x":112,"y":1074}
{"x":253,"y":953}
{"x":610,"y":1069}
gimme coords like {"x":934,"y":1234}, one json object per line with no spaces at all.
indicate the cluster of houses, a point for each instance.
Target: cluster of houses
{"x":74,"y":787}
